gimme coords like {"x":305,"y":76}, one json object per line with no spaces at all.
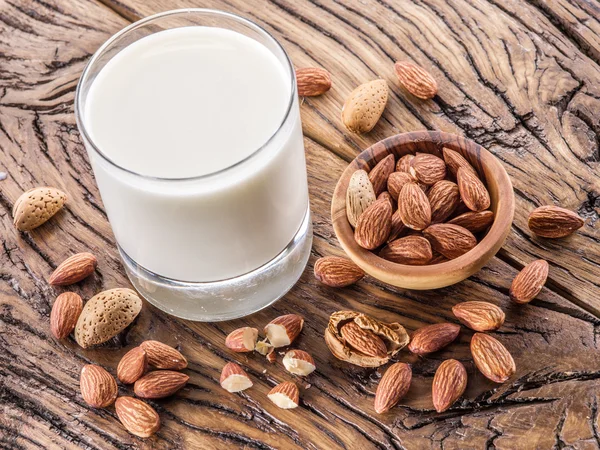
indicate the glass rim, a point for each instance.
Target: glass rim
{"x":203,"y":11}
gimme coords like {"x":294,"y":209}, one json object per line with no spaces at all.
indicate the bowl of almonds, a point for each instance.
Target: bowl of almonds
{"x":423,"y":210}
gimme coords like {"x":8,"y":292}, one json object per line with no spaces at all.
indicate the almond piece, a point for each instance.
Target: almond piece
{"x":64,"y":315}
{"x":242,"y":340}
{"x":393,"y":386}
{"x":403,"y":164}
{"x":380,"y":173}
{"x":443,"y":198}
{"x":364,"y":106}
{"x":449,"y":383}
{"x":271,"y":356}
{"x":427,"y":168}
{"x":479,"y":316}
{"x":336,"y":271}
{"x":312,"y":81}
{"x":98,"y":387}
{"x":413,"y":207}
{"x":416,"y":80}
{"x":359,"y":196}
{"x":36,"y":206}
{"x":396,"y":182}
{"x":472,"y":191}
{"x":139,"y":418}
{"x":492,"y":358}
{"x":285,"y":395}
{"x":554,"y":222}
{"x":73,"y":269}
{"x":398,"y":227}
{"x":160,"y":384}
{"x":450,"y":240}
{"x":374,"y":225}
{"x":234,"y":378}
{"x":432,"y":338}
{"x":411,"y":250}
{"x":529,"y":282}
{"x":132,"y":366}
{"x":263,"y":347}
{"x":455,"y":161}
{"x":364,"y":341}
{"x":474,"y":221}
{"x":282,"y":330}
{"x":299,"y":362}
{"x":163,"y":356}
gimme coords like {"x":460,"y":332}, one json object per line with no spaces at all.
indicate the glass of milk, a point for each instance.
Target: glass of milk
{"x":192,"y":126}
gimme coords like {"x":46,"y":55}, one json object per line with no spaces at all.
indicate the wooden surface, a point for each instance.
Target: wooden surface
{"x":521,"y":78}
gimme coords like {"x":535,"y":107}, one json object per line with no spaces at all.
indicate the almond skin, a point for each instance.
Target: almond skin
{"x":36,"y":206}
{"x":132,"y":365}
{"x":411,"y":250}
{"x":359,"y":196}
{"x":449,"y":383}
{"x":416,"y":80}
{"x":282,"y":330}
{"x":163,"y":356}
{"x":160,"y":384}
{"x":554,"y":222}
{"x":455,"y":161}
{"x":450,"y":240}
{"x":73,"y":269}
{"x":529,"y":282}
{"x":312,"y":81}
{"x":413,"y":207}
{"x":393,"y":386}
{"x":374,"y":225}
{"x":364,"y":106}
{"x":337,"y":272}
{"x":242,"y":340}
{"x":472,"y":191}
{"x":427,"y":168}
{"x":432,"y":338}
{"x":479,"y":316}
{"x":285,"y":395}
{"x":403,"y":164}
{"x":98,"y":387}
{"x":396,"y":182}
{"x":474,"y":221}
{"x":364,"y":341}
{"x":139,"y":418}
{"x":492,"y":358}
{"x":64,"y":315}
{"x":443,"y":198}
{"x":234,"y":378}
{"x":380,"y":173}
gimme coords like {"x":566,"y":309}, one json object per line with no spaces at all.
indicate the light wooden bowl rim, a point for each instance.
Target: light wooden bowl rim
{"x":437,"y":275}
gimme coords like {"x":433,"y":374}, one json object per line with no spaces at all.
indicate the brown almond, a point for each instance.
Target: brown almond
{"x":529,"y":282}
{"x":385,"y":195}
{"x":336,"y":271}
{"x":427,"y":168}
{"x":413,"y":207}
{"x":432,"y":338}
{"x":359,"y":196}
{"x":160,"y":384}
{"x":132,"y":365}
{"x":73,"y":269}
{"x":455,"y":161}
{"x":411,"y":250}
{"x":416,"y":80}
{"x":364,"y":341}
{"x":474,"y":221}
{"x":364,"y":106}
{"x":285,"y":395}
{"x":450,"y":240}
{"x":393,"y":386}
{"x":554,"y":222}
{"x":163,"y":356}
{"x":398,"y":227}
{"x":472,"y":191}
{"x":374,"y":225}
{"x":312,"y":81}
{"x":380,"y":173}
{"x":396,"y":182}
{"x":479,"y":316}
{"x":139,"y":418}
{"x":449,"y":383}
{"x":282,"y":330}
{"x":492,"y":358}
{"x":443,"y":198}
{"x":98,"y":387}
{"x":403,"y":164}
{"x":64,"y":314}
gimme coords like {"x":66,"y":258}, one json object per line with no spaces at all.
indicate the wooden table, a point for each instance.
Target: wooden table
{"x":521,"y":78}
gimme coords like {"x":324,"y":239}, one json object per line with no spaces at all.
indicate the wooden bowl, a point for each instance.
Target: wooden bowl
{"x":438,"y":275}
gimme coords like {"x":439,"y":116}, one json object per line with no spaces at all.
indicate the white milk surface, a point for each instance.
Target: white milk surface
{"x":186,"y":103}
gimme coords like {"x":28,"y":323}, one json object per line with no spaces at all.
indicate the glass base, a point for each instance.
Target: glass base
{"x":226,"y":299}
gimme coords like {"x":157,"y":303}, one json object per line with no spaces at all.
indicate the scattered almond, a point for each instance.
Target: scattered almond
{"x":472,"y":191}
{"x":411,"y":250}
{"x":416,"y":80}
{"x":443,"y":198}
{"x":160,"y":384}
{"x":282,"y":330}
{"x":73,"y":269}
{"x":362,"y":340}
{"x":234,"y":378}
{"x":132,"y":365}
{"x":98,"y":387}
{"x":529,"y":282}
{"x":455,"y":161}
{"x":413,"y":207}
{"x":359,"y":196}
{"x":64,"y":314}
{"x":139,"y":418}
{"x":393,"y":386}
{"x":479,"y":316}
{"x":449,"y":383}
{"x":432,"y":338}
{"x":374,"y":225}
{"x":491,"y":358}
{"x":364,"y":106}
{"x":427,"y":168}
{"x":36,"y":206}
{"x":474,"y":221}
{"x":380,"y":173}
{"x":450,"y":240}
{"x":299,"y":362}
{"x":312,"y":81}
{"x":242,"y":340}
{"x":285,"y":395}
{"x":336,"y":271}
{"x":163,"y":356}
{"x":554,"y":222}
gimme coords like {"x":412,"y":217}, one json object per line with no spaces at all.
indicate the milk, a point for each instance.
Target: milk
{"x":200,"y":180}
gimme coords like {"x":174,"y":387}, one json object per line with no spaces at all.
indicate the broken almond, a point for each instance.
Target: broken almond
{"x":529,"y":282}
{"x":285,"y":395}
{"x":336,"y":271}
{"x":393,"y":386}
{"x":234,"y":378}
{"x":282,"y":330}
{"x":242,"y":340}
{"x":299,"y":362}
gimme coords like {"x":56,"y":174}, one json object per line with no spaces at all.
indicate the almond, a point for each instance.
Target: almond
{"x":492,"y":358}
{"x":455,"y":161}
{"x":474,"y":221}
{"x":450,"y":240}
{"x":271,"y":356}
{"x":64,"y":315}
{"x":396,"y":182}
{"x":393,"y":386}
{"x":336,"y":271}
{"x":160,"y":384}
{"x":364,"y":341}
{"x":299,"y":362}
{"x":413,"y":207}
{"x":416,"y":80}
{"x":285,"y":395}
{"x":529,"y":282}
{"x":374,"y":225}
{"x":234,"y":378}
{"x":428,"y":169}
{"x":359,"y":196}
{"x":242,"y":340}
{"x":139,"y":418}
{"x":73,"y":269}
{"x":479,"y":316}
{"x":282,"y":330}
{"x":98,"y":387}
{"x":385,"y":195}
{"x":397,"y":228}
{"x":403,"y":164}
{"x":554,"y":222}
{"x":380,"y":173}
{"x":443,"y":198}
{"x":163,"y":356}
{"x":364,"y":106}
{"x":263,"y":347}
{"x":449,"y":383}
{"x":472,"y":191}
{"x":312,"y":81}
{"x":411,"y":250}
{"x":132,"y":365}
{"x":36,"y":206}
{"x":432,"y":338}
